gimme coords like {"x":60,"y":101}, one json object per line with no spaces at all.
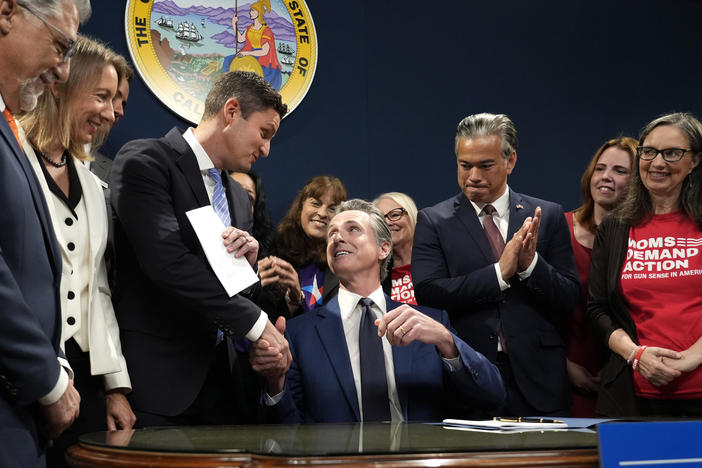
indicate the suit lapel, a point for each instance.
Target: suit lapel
{"x":331,"y":334}
{"x":231,"y":200}
{"x":40,"y":204}
{"x":465,"y":212}
{"x":402,"y":360}
{"x":517,"y":213}
{"x":187,"y":162}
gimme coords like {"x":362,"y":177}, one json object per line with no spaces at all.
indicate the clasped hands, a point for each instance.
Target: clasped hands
{"x":661,"y":366}
{"x":520,"y":250}
{"x":274,"y":270}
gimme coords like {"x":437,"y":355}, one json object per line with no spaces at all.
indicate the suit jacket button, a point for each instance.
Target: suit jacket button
{"x":69,"y":222}
{"x":71,"y":321}
{"x":71,"y":246}
{"x":71,"y":294}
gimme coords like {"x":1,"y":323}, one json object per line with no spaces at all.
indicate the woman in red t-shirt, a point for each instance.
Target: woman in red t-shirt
{"x":603,"y":186}
{"x":645,"y":279}
{"x":401,"y":215}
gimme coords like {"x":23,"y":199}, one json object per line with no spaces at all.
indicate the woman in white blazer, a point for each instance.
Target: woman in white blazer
{"x":64,"y":122}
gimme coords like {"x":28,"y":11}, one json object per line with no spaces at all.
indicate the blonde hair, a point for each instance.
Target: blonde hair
{"x":405,"y":201}
{"x":261,"y":6}
{"x":51,"y":122}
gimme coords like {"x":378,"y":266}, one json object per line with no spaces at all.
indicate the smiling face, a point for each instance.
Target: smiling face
{"x":91,"y":106}
{"x":660,"y":177}
{"x":401,"y":230}
{"x":246,"y":140}
{"x":316,"y":213}
{"x":610,"y":177}
{"x":482,"y":170}
{"x":37,"y":53}
{"x":352,"y":251}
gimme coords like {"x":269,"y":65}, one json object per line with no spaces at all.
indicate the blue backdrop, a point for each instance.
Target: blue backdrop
{"x":394,"y":78}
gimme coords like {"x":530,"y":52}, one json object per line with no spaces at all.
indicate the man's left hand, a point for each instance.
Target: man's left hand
{"x":404,"y":325}
{"x":119,"y":412}
{"x":241,"y":243}
{"x":526,"y":254}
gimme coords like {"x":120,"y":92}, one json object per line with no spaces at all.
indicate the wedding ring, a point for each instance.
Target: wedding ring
{"x":403,"y":331}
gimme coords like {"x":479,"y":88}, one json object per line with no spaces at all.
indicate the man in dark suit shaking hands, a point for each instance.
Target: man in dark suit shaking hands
{"x":501,"y":264}
{"x":364,"y":357}
{"x":177,"y":323}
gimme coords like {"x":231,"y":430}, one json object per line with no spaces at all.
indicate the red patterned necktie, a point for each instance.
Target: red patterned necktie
{"x":497,"y":243}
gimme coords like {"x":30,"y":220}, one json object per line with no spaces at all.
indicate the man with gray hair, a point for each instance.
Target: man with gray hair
{"x":501,"y":264}
{"x":364,"y":357}
{"x":38,"y":399}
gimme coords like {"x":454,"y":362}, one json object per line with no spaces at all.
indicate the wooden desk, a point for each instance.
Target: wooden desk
{"x":348,"y":445}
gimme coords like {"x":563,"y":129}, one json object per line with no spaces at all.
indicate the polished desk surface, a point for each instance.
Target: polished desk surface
{"x":412,"y":444}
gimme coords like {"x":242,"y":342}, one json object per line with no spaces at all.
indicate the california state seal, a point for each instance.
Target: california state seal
{"x":180,"y":47}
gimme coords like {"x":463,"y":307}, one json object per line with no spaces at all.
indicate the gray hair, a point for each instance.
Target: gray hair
{"x":377,"y":223}
{"x":55,"y":7}
{"x":637,"y":206}
{"x":684,"y":121}
{"x":479,"y":125}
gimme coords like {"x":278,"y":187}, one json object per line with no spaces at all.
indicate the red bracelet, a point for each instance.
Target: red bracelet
{"x":637,"y":358}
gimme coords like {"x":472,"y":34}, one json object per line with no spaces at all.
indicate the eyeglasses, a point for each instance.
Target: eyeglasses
{"x":395,"y":214}
{"x":649,"y":153}
{"x":67,"y":50}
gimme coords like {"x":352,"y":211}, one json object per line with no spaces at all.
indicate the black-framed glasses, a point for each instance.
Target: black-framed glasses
{"x":649,"y":153}
{"x":68,"y":47}
{"x":395,"y":214}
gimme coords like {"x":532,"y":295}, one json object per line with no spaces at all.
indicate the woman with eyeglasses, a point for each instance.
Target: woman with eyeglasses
{"x":401,"y":215}
{"x":603,"y":186}
{"x":58,"y":130}
{"x":646,"y":275}
{"x":298,"y":270}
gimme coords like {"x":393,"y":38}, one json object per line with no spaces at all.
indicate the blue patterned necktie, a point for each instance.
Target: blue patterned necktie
{"x":374,"y":381}
{"x":219,"y":198}
{"x":221,"y":207}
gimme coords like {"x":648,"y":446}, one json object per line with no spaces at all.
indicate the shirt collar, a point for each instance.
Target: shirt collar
{"x":203,"y":160}
{"x":501,"y":204}
{"x":2,"y":104}
{"x":349,"y":300}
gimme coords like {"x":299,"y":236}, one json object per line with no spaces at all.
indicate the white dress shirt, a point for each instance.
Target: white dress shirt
{"x":205,"y":164}
{"x":351,"y":311}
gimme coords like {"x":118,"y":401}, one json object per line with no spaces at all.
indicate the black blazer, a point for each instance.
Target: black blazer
{"x":607,"y":312}
{"x":168,"y":301}
{"x":453,"y":269}
{"x":30,"y":273}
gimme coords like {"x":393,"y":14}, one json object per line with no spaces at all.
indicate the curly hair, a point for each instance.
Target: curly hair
{"x":291,"y":242}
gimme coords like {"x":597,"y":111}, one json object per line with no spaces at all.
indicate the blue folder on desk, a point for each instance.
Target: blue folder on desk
{"x":651,"y":444}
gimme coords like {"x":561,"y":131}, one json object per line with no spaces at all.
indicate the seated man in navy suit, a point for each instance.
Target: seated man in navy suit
{"x":364,"y":357}
{"x":501,"y":264}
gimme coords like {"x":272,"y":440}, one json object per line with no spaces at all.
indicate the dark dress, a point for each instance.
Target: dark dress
{"x":582,"y":347}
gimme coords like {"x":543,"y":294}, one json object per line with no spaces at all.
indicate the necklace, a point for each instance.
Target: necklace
{"x":52,"y":162}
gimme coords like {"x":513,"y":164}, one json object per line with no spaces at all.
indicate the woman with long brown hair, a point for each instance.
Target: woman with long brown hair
{"x":299,"y":266}
{"x":603,"y":186}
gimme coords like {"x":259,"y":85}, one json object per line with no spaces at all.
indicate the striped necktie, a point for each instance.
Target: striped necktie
{"x":219,"y":198}
{"x":221,"y":207}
